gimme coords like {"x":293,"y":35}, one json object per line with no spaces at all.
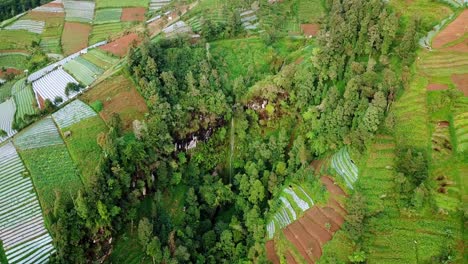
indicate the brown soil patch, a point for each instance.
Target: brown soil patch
{"x":443,"y":124}
{"x":271,"y":253}
{"x":310,"y":30}
{"x":15,"y":50}
{"x":133,"y":14}
{"x":337,"y":207}
{"x":316,"y":231}
{"x":322,"y":219}
{"x":453,"y":31}
{"x":300,"y":241}
{"x":460,"y":47}
{"x":10,"y":71}
{"x":53,"y":4}
{"x":333,"y":215}
{"x":43,"y":16}
{"x":332,"y":187}
{"x":75,"y":37}
{"x":310,"y":244}
{"x":317,"y":165}
{"x":289,"y":258}
{"x":437,"y":87}
{"x":120,"y":46}
{"x":118,"y":95}
{"x":41,"y":101}
{"x":461,"y":81}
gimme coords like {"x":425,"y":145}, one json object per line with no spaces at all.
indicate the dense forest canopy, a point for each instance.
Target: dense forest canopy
{"x":339,"y":96}
{"x":11,"y":8}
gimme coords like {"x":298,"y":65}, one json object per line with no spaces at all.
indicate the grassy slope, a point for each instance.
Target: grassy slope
{"x":83,"y":146}
{"x":16,"y":39}
{"x":121,"y":3}
{"x":17,"y":61}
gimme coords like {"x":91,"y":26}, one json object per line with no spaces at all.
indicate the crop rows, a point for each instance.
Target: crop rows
{"x":53,"y":85}
{"x":293,"y":202}
{"x":52,"y":45}
{"x":73,"y":113}
{"x":121,"y":3}
{"x":109,"y":15}
{"x":83,"y":70}
{"x":100,"y":59}
{"x":425,"y":41}
{"x":177,"y":28}
{"x":158,"y":4}
{"x":249,"y":20}
{"x":341,"y":162}
{"x":104,"y":31}
{"x":24,"y":99}
{"x":461,"y":124}
{"x":42,"y":134}
{"x":29,"y":25}
{"x":13,"y":60}
{"x":22,"y":230}
{"x":80,"y":11}
{"x":7,"y":115}
{"x":309,"y":11}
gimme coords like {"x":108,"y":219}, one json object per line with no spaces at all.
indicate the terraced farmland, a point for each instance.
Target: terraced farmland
{"x":443,"y":63}
{"x":343,"y":164}
{"x":84,"y":71}
{"x":22,"y":231}
{"x":109,"y":15}
{"x":100,"y":59}
{"x":73,"y":113}
{"x":121,"y":3}
{"x":24,"y":99}
{"x":17,"y":39}
{"x":48,"y":160}
{"x":158,"y":4}
{"x":461,"y":124}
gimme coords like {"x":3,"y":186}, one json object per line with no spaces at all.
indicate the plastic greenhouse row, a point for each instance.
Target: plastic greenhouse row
{"x":42,"y":134}
{"x":73,"y":113}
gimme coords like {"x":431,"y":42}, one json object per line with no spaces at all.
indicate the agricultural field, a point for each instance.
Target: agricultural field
{"x":100,"y":59}
{"x":17,"y":39}
{"x":158,"y":4}
{"x":79,"y":11}
{"x":75,"y":37}
{"x":84,"y":125}
{"x":33,"y":26}
{"x":52,"y":85}
{"x":117,"y":95}
{"x":14,"y":60}
{"x":5,"y":91}
{"x":109,"y":15}
{"x":23,"y":233}
{"x":120,"y":46}
{"x":84,"y":71}
{"x":431,"y":12}
{"x":123,"y":3}
{"x":342,"y":163}
{"x":47,"y":158}
{"x":24,"y":99}
{"x":106,"y":31}
{"x":130,"y":14}
{"x":51,"y":36}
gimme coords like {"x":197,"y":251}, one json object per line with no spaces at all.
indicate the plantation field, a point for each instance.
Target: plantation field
{"x":24,"y":99}
{"x":14,"y":60}
{"x":100,"y":59}
{"x":83,"y":70}
{"x":72,"y":113}
{"x":75,"y":37}
{"x":83,"y":146}
{"x":310,"y":11}
{"x":104,"y":31}
{"x":430,"y":12}
{"x":122,"y":3}
{"x":110,"y":15}
{"x":16,"y":39}
{"x":5,"y":91}
{"x":33,"y":26}
{"x":7,"y":116}
{"x":53,"y":172}
{"x":118,"y":95}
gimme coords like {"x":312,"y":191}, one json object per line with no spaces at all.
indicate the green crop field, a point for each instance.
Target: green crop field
{"x":14,"y":60}
{"x":83,"y":146}
{"x":24,"y":99}
{"x":104,"y":31}
{"x":51,"y":36}
{"x":52,"y":171}
{"x":110,"y":15}
{"x":5,"y":90}
{"x":83,"y":70}
{"x":100,"y":59}
{"x":16,"y":39}
{"x":122,"y":3}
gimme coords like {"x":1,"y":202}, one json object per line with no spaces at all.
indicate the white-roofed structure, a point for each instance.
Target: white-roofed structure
{"x":52,"y":85}
{"x":7,"y":116}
